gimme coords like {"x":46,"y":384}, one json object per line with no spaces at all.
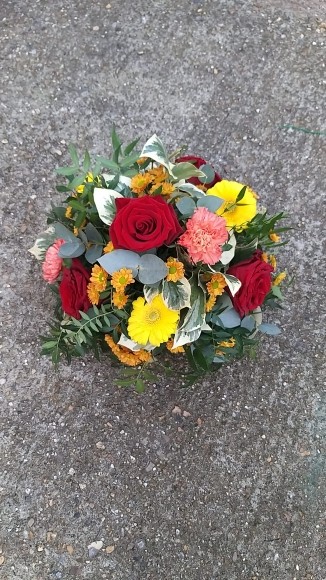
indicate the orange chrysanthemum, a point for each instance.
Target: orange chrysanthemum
{"x":99,"y":278}
{"x":108,"y":248}
{"x":121,"y":279}
{"x":126,"y":356}
{"x":210,"y":303}
{"x":228,"y":343}
{"x":68,"y":212}
{"x":176,"y":270}
{"x":140,"y":182}
{"x":216,"y":285}
{"x":277,"y":281}
{"x":142,"y":160}
{"x":176,"y":350}
{"x":167,"y":188}
{"x":274,"y":237}
{"x":158,"y":175}
{"x":93,"y":294}
{"x":119,"y":299}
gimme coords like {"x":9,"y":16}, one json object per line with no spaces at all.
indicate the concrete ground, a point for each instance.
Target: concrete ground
{"x":235,"y":488}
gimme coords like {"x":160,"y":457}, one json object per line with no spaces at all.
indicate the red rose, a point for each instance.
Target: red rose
{"x":255,"y":277}
{"x":198,"y":162}
{"x":73,"y":289}
{"x":143,"y":223}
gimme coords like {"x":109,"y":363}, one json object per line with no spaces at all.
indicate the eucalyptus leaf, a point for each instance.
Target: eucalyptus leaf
{"x":208,"y":172}
{"x":63,"y":233}
{"x":72,"y":249}
{"x":93,"y":253}
{"x":151,"y":269}
{"x":93,"y":235}
{"x":248,"y":322}
{"x":268,"y":328}
{"x":229,"y":318}
{"x":186,"y":206}
{"x":118,"y":259}
{"x":211,"y":202}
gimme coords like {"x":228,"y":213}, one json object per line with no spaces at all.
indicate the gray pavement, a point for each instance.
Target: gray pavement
{"x":235,"y":488}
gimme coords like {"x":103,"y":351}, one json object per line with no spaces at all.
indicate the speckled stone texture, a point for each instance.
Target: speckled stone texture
{"x":234,"y":488}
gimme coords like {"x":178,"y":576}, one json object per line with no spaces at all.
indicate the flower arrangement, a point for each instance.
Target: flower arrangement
{"x":157,"y":253}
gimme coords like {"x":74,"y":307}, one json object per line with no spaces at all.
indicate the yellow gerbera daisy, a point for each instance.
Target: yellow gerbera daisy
{"x":175,"y":350}
{"x":216,"y":285}
{"x":121,"y":279}
{"x":99,"y":278}
{"x":279,"y":278}
{"x":93,"y":294}
{"x":176,"y":270}
{"x":152,"y":322}
{"x":119,"y":299}
{"x":140,"y":181}
{"x":126,"y":356}
{"x":274,"y":237}
{"x":210,"y":303}
{"x":108,"y":248}
{"x":236,"y":215}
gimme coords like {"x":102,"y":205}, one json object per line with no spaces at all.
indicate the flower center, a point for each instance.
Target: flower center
{"x":172,"y":270}
{"x":122,"y":280}
{"x":153,"y":316}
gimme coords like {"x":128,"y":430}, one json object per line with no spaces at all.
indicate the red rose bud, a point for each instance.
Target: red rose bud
{"x":198,"y":162}
{"x":255,"y":277}
{"x":73,"y":289}
{"x":143,"y":223}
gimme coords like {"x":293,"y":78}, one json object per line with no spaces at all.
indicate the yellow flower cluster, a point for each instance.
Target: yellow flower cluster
{"x":126,"y":356}
{"x":215,"y":287}
{"x":121,"y":279}
{"x":269,"y":259}
{"x":225,"y":344}
{"x":274,"y":237}
{"x":108,"y":248}
{"x":277,"y":281}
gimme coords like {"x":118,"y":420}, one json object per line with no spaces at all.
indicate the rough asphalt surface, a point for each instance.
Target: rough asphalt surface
{"x":235,"y":488}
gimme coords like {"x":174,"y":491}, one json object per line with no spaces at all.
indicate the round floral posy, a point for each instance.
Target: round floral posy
{"x":160,"y":253}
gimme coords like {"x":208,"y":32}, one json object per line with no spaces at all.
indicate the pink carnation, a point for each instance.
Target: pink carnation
{"x":204,"y":236}
{"x":52,"y":264}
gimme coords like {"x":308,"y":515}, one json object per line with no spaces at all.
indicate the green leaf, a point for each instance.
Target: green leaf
{"x":43,"y":242}
{"x":67,"y":171}
{"x":140,"y":385}
{"x":93,"y":235}
{"x":104,"y":200}
{"x":108,"y":164}
{"x":73,"y":154}
{"x":150,"y":291}
{"x":86,"y":162}
{"x":176,"y":295}
{"x":194,"y":191}
{"x":128,"y":161}
{"x":154,"y":149}
{"x":241,"y":194}
{"x":185,"y":171}
{"x":130,"y":147}
{"x":186,"y":206}
{"x":151,"y":269}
